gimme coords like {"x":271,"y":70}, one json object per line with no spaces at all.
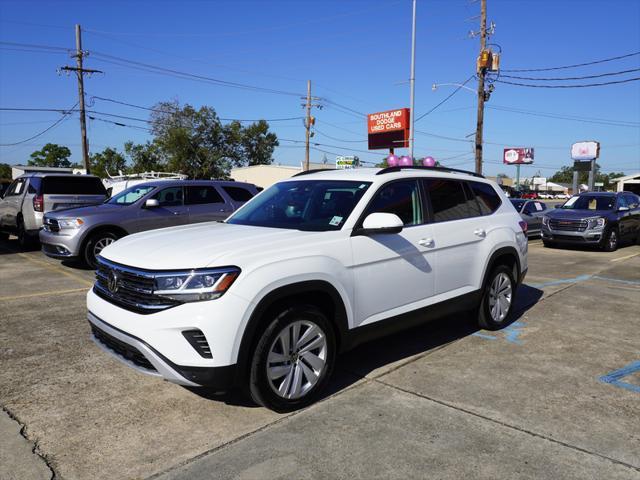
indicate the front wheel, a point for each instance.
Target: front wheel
{"x":96,"y":243}
{"x":611,"y":241}
{"x":293,"y":359}
{"x":498,"y":299}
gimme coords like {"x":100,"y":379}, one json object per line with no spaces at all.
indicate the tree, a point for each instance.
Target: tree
{"x":51,"y":155}
{"x":565,"y":175}
{"x":196,"y":143}
{"x":109,"y":161}
{"x":5,"y":170}
{"x":145,"y":158}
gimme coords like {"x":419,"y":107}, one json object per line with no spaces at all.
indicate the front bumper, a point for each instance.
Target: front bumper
{"x":587,"y":237}
{"x":63,"y":244}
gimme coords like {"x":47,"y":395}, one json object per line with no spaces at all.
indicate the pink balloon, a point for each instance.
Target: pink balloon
{"x":429,"y":162}
{"x":392,"y":160}
{"x":405,"y":161}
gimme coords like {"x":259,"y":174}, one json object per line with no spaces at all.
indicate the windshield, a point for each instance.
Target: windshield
{"x":314,"y":205}
{"x":518,"y":204}
{"x":130,"y":195}
{"x":590,"y":202}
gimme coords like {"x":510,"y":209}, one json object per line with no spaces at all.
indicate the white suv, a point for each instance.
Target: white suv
{"x":307,"y":269}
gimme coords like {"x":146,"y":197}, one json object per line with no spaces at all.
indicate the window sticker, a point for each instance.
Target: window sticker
{"x":593,"y":204}
{"x":362,"y":186}
{"x":538,"y":206}
{"x":335,"y":221}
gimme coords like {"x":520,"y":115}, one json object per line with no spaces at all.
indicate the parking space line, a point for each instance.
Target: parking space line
{"x":624,"y":258}
{"x":42,"y":294}
{"x":615,"y":377}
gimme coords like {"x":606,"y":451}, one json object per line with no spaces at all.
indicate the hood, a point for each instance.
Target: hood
{"x":199,"y":245}
{"x":85,"y":211}
{"x":568,"y":214}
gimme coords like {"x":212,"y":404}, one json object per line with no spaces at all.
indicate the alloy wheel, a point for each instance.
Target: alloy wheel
{"x":296,"y":359}
{"x":500,"y":296}
{"x":101,"y":244}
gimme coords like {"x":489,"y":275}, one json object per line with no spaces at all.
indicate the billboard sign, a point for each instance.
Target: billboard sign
{"x":346,"y":163}
{"x":585,"y":150}
{"x":389,"y":129}
{"x":517,"y":156}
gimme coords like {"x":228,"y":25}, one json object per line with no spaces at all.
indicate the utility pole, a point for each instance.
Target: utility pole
{"x":80,"y":71}
{"x":481,"y":74}
{"x":307,"y":125}
{"x":412,"y":82}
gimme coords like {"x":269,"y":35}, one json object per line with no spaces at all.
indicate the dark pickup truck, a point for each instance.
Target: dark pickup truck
{"x":603,"y":219}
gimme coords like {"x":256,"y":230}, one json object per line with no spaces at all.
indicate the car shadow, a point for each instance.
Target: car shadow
{"x":354,"y":365}
{"x":11,"y":246}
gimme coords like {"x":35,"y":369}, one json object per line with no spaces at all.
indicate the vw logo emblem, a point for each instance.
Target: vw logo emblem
{"x":112,"y":282}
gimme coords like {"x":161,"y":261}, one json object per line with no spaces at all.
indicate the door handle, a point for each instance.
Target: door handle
{"x":480,"y":232}
{"x":426,"y":242}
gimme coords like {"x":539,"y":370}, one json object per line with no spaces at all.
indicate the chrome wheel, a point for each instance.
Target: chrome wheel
{"x":500,"y":295}
{"x":101,"y":244}
{"x":296,"y":359}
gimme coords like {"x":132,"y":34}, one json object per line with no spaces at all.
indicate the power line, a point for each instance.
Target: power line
{"x":446,"y":98}
{"x":600,"y":121}
{"x":570,"y":86}
{"x":36,"y":46}
{"x":53,"y":125}
{"x":573,"y":66}
{"x":609,"y":74}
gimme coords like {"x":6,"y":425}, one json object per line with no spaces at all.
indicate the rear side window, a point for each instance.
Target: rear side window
{"x":400,"y":198}
{"x":76,"y":185}
{"x":448,"y":200}
{"x":238,"y":194}
{"x":35,"y":185}
{"x":198,"y":195}
{"x":487,"y":197}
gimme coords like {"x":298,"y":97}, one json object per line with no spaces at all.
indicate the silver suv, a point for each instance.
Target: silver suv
{"x":82,"y":233}
{"x":32,"y":195}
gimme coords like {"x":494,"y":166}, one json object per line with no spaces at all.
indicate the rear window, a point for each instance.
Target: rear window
{"x":76,"y":185}
{"x":238,"y":194}
{"x":487,"y":197}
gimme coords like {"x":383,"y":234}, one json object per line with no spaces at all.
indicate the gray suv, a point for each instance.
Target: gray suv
{"x":82,"y":233}
{"x":31,"y":196}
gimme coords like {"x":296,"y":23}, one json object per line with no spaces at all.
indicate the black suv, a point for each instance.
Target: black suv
{"x":603,"y":219}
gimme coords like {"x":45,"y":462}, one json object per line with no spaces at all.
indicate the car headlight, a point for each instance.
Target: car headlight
{"x":195,"y":285}
{"x":595,"y":223}
{"x":545,"y":221}
{"x":70,"y":222}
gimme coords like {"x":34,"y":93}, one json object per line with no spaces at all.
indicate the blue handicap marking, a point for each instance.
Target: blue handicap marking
{"x":511,"y":334}
{"x":615,"y":377}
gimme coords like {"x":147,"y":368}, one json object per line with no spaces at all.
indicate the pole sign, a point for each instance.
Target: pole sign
{"x":389,"y":129}
{"x":581,"y":166}
{"x":517,"y":156}
{"x":346,"y":163}
{"x":585,"y":151}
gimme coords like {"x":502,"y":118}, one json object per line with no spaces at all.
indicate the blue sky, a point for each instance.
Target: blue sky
{"x":357,"y":55}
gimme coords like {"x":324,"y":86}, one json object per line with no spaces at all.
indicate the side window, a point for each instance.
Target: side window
{"x":400,"y":198}
{"x":448,"y":200}
{"x":238,"y":194}
{"x":169,"y":197}
{"x":34,"y":185}
{"x":487,"y":197}
{"x":632,"y":200}
{"x":622,"y":201}
{"x":201,"y":194}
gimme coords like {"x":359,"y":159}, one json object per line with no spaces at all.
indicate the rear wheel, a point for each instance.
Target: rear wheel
{"x":498,"y":299}
{"x":23,"y":238}
{"x":5,"y":236}
{"x":610,"y":243}
{"x":95,"y":244}
{"x":293,"y":359}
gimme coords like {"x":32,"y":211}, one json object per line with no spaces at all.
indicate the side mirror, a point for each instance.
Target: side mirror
{"x":623,"y":209}
{"x":381,"y":223}
{"x":151,"y":203}
{"x":558,"y":206}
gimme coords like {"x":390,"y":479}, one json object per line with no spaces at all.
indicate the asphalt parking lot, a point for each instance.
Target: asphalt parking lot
{"x":554,"y":395}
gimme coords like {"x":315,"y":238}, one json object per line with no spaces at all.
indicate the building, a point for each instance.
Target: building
{"x":630,"y":183}
{"x":266,"y":175}
{"x":17,"y":170}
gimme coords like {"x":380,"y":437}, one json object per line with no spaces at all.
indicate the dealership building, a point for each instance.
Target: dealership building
{"x":630,"y":183}
{"x":266,"y":175}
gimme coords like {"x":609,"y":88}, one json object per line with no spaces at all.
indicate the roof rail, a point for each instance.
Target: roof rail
{"x":419,"y":167}
{"x":313,"y":170}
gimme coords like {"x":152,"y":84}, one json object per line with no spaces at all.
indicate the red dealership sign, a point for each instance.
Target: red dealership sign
{"x":388,"y":129}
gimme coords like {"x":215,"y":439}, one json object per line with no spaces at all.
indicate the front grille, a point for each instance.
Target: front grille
{"x":51,"y":225}
{"x":129,"y":288}
{"x":568,"y":225}
{"x":199,"y":342}
{"x":122,"y":349}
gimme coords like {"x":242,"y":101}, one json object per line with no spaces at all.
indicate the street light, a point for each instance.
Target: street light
{"x":435,"y":86}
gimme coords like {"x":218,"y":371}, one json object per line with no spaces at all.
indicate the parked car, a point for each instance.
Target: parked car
{"x":563,"y":196}
{"x":82,"y":233}
{"x":4,"y":185}
{"x":310,"y":267}
{"x":32,"y":195}
{"x":531,"y":212}
{"x":603,"y":219}
{"x":529,"y":195}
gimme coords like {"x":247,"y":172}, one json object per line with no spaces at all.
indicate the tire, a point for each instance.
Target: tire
{"x":499,"y":293}
{"x":297,"y":378}
{"x":611,"y":240}
{"x":94,"y":245}
{"x":4,"y":236}
{"x":548,"y":244}
{"x":23,"y":239}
